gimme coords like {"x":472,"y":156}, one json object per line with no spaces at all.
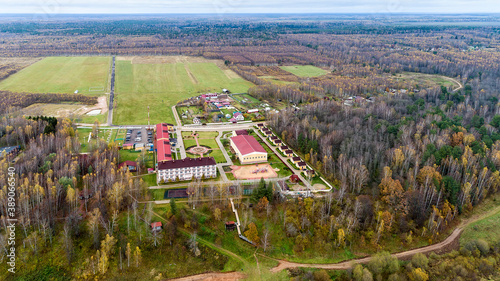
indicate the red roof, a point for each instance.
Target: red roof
{"x":162,"y":131}
{"x":127,"y":163}
{"x":301,"y":164}
{"x":241,"y":132}
{"x":156,"y":224}
{"x":247,"y":144}
{"x":289,"y":151}
{"x":163,"y":151}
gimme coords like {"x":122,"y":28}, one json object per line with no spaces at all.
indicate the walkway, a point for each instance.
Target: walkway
{"x":111,"y":94}
{"x":214,"y":183}
{"x":180,"y":143}
{"x":237,"y":217}
{"x":284,"y":159}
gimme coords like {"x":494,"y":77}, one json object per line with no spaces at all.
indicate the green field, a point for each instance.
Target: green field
{"x":488,"y":226}
{"x":61,"y":75}
{"x":160,"y":86}
{"x":426,"y":80}
{"x":304,"y":70}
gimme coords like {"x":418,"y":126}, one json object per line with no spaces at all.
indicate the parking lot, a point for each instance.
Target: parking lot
{"x":136,"y":136}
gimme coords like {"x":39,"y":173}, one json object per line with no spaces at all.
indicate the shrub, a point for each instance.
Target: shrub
{"x":420,"y":260}
{"x":481,"y":245}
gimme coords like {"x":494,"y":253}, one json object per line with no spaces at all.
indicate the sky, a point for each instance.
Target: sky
{"x":247,"y":6}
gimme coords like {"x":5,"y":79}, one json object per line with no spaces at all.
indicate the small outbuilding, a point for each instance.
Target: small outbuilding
{"x":131,"y":166}
{"x":156,"y":226}
{"x":230,"y":225}
{"x":294,"y":178}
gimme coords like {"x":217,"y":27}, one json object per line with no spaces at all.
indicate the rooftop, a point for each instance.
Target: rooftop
{"x":186,"y":163}
{"x":163,"y":150}
{"x":162,"y":131}
{"x":8,"y":149}
{"x":247,"y":144}
{"x":127,"y":163}
{"x":241,"y":132}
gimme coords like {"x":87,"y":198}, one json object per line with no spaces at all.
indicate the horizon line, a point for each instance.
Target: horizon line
{"x":274,"y":13}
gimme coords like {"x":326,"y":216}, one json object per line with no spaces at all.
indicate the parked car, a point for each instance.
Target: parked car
{"x":138,"y":139}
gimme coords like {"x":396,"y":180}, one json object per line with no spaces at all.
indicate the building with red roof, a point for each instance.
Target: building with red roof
{"x":162,"y":142}
{"x":156,"y":226}
{"x":128,"y":165}
{"x":163,"y":151}
{"x":248,"y":149}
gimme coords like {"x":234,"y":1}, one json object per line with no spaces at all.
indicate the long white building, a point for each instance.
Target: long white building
{"x":186,"y":169}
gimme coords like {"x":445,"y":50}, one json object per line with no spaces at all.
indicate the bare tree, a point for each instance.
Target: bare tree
{"x":265,"y":239}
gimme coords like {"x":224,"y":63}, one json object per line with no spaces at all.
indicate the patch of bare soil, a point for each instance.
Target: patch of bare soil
{"x":102,"y":104}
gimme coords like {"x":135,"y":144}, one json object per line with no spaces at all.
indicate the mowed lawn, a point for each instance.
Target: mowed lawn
{"x":304,"y":70}
{"x":62,"y":75}
{"x":160,"y":86}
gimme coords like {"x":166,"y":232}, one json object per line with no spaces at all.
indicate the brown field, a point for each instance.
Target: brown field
{"x":65,"y":109}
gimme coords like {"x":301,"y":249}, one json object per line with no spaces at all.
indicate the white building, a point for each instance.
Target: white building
{"x":186,"y":169}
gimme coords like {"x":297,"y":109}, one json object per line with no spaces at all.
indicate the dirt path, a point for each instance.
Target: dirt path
{"x":460,"y":86}
{"x":450,"y":243}
{"x":229,"y":276}
{"x":191,"y":76}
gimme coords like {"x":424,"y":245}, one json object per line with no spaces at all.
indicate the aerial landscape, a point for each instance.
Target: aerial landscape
{"x":250,"y":141}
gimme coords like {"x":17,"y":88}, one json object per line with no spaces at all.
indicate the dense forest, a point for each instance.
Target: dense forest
{"x":405,"y":166}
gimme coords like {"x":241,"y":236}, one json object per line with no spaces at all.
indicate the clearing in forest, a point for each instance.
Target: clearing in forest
{"x":426,"y":80}
{"x":88,"y":75}
{"x":304,"y":70}
{"x":161,"y":82}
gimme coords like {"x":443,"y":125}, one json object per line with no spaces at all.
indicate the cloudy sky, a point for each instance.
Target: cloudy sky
{"x":249,"y":6}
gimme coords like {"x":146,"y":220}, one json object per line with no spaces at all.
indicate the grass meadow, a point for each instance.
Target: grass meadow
{"x":160,"y":86}
{"x":488,"y":225}
{"x":304,"y":70}
{"x":62,"y":75}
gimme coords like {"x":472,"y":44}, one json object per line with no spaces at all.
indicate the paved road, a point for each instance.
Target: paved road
{"x":180,"y":142}
{"x":176,"y":116}
{"x":111,"y":94}
{"x":210,"y":183}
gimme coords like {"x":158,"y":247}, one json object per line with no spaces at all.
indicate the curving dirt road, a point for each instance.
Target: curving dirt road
{"x":450,"y":243}
{"x":443,"y":246}
{"x":229,"y":276}
{"x":460,"y":86}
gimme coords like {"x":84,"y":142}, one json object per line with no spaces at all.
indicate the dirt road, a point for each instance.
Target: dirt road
{"x":229,"y":276}
{"x":443,"y":246}
{"x":460,"y":86}
{"x":450,"y":243}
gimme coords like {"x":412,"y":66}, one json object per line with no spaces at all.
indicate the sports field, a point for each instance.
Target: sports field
{"x":304,"y":70}
{"x":160,"y":84}
{"x":88,"y":75}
